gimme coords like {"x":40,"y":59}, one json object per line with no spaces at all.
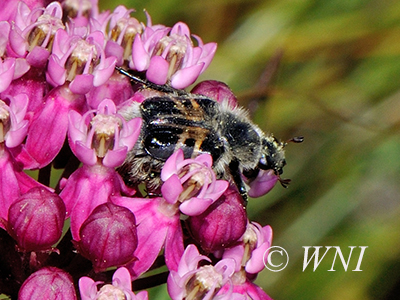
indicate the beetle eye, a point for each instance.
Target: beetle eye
{"x":263,"y":163}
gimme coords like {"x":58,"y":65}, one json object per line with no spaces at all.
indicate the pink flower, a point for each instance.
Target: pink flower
{"x":191,"y":182}
{"x":121,"y":288}
{"x":192,"y":281}
{"x":122,"y":32}
{"x":7,"y":68}
{"x":105,"y":135}
{"x":9,"y":9}
{"x":249,"y":253}
{"x":118,"y":88}
{"x":33,"y":31}
{"x":171,"y":58}
{"x":13,"y":181}
{"x":81,"y":62}
{"x":101,"y":142}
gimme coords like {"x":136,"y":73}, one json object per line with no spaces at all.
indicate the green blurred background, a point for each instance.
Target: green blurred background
{"x":338,"y":85}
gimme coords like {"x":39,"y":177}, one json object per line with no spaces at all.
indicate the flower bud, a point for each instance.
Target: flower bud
{"x":108,"y":236}
{"x":222,"y":224}
{"x":36,"y":219}
{"x":48,"y":283}
{"x":216,"y":90}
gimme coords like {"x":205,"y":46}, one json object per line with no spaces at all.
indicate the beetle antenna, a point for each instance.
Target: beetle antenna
{"x":296,"y":139}
{"x":132,"y":77}
{"x":148,"y":84}
{"x":284,"y":182}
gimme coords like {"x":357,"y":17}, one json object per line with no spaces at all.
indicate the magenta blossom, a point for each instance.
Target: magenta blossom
{"x":249,"y":253}
{"x":122,"y":32}
{"x":33,"y":32}
{"x":10,"y":67}
{"x":101,"y":142}
{"x":121,"y":288}
{"x":192,"y":281}
{"x":171,"y":58}
{"x":13,"y":181}
{"x":249,"y":257}
{"x":192,"y":182}
{"x":80,"y":62}
{"x":102,"y":134}
{"x":118,"y":88}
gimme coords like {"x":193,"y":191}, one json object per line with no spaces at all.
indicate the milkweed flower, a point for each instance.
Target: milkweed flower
{"x":195,"y":281}
{"x":102,"y":134}
{"x":263,"y":183}
{"x":100,"y":139}
{"x":14,"y":127}
{"x":80,"y":62}
{"x":122,"y":31}
{"x":191,"y":182}
{"x":33,"y":32}
{"x":170,"y":56}
{"x":248,"y":255}
{"x":7,"y":68}
{"x":251,"y":248}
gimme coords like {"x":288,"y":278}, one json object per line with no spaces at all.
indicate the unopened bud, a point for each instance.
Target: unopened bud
{"x":36,"y":219}
{"x":108,"y":236}
{"x":222,"y":224}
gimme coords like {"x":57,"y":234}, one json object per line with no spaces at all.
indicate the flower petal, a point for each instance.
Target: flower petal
{"x":185,"y":77}
{"x":158,"y":70}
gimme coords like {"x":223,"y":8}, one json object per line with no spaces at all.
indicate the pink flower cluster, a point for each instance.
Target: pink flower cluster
{"x":60,"y":108}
